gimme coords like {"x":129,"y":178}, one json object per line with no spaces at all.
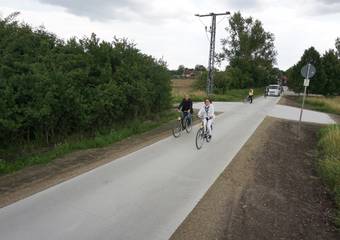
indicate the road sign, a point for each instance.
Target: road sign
{"x":306,"y":83}
{"x":308,"y":71}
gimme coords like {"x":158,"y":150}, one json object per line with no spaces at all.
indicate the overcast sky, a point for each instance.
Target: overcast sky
{"x":169,"y":29}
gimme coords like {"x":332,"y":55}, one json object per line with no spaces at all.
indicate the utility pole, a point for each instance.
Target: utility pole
{"x":211,"y":64}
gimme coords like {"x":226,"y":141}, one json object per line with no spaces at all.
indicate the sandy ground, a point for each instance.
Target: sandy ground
{"x":269,"y":191}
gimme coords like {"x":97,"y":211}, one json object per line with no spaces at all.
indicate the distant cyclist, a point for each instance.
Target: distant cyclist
{"x":207,"y":113}
{"x":186,"y":107}
{"x":251,"y":95}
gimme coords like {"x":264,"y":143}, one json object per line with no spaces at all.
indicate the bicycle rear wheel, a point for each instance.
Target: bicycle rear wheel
{"x":199,"y":138}
{"x":188,"y":125}
{"x":177,"y":129}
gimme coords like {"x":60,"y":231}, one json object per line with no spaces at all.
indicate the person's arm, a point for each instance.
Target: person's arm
{"x":212,"y":111}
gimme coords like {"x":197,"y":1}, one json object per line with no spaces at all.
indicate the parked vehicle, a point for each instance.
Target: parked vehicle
{"x":274,"y":90}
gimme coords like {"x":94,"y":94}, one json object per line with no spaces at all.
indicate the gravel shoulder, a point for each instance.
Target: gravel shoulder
{"x":269,"y":191}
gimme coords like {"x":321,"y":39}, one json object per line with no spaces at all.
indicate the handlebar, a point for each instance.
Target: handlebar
{"x":207,"y":118}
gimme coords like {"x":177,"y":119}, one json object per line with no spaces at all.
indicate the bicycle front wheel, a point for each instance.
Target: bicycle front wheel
{"x":199,"y":139}
{"x":177,"y":129}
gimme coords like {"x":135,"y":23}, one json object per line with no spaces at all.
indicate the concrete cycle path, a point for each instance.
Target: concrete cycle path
{"x":144,"y":195}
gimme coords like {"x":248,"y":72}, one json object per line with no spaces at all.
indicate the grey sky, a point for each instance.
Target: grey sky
{"x":103,"y":10}
{"x":169,"y":29}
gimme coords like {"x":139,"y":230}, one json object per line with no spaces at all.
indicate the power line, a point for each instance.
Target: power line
{"x":205,"y":29}
{"x":222,"y":20}
{"x":210,"y":80}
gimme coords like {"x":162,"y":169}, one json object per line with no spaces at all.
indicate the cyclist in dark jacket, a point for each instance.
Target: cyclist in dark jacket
{"x":186,"y":107}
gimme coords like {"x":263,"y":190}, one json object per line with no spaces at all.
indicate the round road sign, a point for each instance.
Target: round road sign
{"x":308,"y":71}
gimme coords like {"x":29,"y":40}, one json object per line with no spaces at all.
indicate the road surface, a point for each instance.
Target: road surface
{"x":144,"y":195}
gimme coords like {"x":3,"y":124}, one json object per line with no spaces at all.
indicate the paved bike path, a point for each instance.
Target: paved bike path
{"x":144,"y":195}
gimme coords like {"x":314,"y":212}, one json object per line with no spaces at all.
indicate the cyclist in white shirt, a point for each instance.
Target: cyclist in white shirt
{"x":207,"y":113}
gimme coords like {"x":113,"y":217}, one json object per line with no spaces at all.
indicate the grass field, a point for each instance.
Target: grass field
{"x":329,"y":162}
{"x":319,"y":103}
{"x":101,"y":139}
{"x":324,"y":104}
{"x":180,"y":87}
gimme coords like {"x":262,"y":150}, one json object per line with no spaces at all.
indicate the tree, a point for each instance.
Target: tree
{"x":200,"y":68}
{"x":180,"y":70}
{"x":331,"y":67}
{"x":52,"y":88}
{"x":250,"y":51}
{"x":318,"y":82}
{"x":337,"y":46}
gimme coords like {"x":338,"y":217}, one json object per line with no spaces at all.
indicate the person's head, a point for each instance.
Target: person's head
{"x":207,"y":102}
{"x":186,"y":97}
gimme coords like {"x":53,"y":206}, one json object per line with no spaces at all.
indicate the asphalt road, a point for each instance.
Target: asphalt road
{"x":144,"y":195}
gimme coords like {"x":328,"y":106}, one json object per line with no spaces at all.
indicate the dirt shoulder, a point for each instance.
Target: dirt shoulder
{"x":289,"y":101}
{"x":269,"y":191}
{"x":28,"y":181}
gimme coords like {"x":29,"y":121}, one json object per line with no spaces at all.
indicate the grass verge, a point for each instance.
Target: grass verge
{"x":321,"y":104}
{"x":329,"y":163}
{"x":101,"y":139}
{"x":234,"y":95}
{"x":324,"y":104}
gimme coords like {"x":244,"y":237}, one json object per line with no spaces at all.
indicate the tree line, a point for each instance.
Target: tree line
{"x":250,"y":53}
{"x":327,"y":78}
{"x":51,"y":88}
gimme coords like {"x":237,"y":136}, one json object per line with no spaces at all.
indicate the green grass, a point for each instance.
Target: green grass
{"x":100,"y":140}
{"x":322,"y":104}
{"x":329,"y":163}
{"x":234,"y":95}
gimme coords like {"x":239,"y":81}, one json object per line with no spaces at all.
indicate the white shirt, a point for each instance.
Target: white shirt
{"x":207,"y":111}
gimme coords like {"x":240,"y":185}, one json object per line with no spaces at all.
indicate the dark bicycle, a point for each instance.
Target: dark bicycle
{"x":247,"y":100}
{"x":184,"y":122}
{"x":202,"y":135}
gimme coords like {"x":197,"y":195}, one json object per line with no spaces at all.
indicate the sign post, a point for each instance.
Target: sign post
{"x":308,"y":71}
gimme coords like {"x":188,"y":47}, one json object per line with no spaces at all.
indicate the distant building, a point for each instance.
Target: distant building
{"x":189,"y":73}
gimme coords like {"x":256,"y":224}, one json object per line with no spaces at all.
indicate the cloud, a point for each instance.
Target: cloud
{"x":329,"y":1}
{"x":318,"y":7}
{"x":324,"y":7}
{"x":244,"y":4}
{"x":311,"y":8}
{"x":136,"y":10}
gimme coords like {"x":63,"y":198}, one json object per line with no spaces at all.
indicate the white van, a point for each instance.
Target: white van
{"x":274,"y":90}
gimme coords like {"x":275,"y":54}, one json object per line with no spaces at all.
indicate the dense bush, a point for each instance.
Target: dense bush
{"x":50,"y":88}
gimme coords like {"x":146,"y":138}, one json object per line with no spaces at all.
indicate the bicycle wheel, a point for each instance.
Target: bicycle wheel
{"x":199,"y":138}
{"x":188,"y":125}
{"x":177,"y":129}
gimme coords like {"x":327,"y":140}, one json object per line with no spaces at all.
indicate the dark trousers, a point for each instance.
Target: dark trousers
{"x":251,"y":99}
{"x":186,"y":114}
